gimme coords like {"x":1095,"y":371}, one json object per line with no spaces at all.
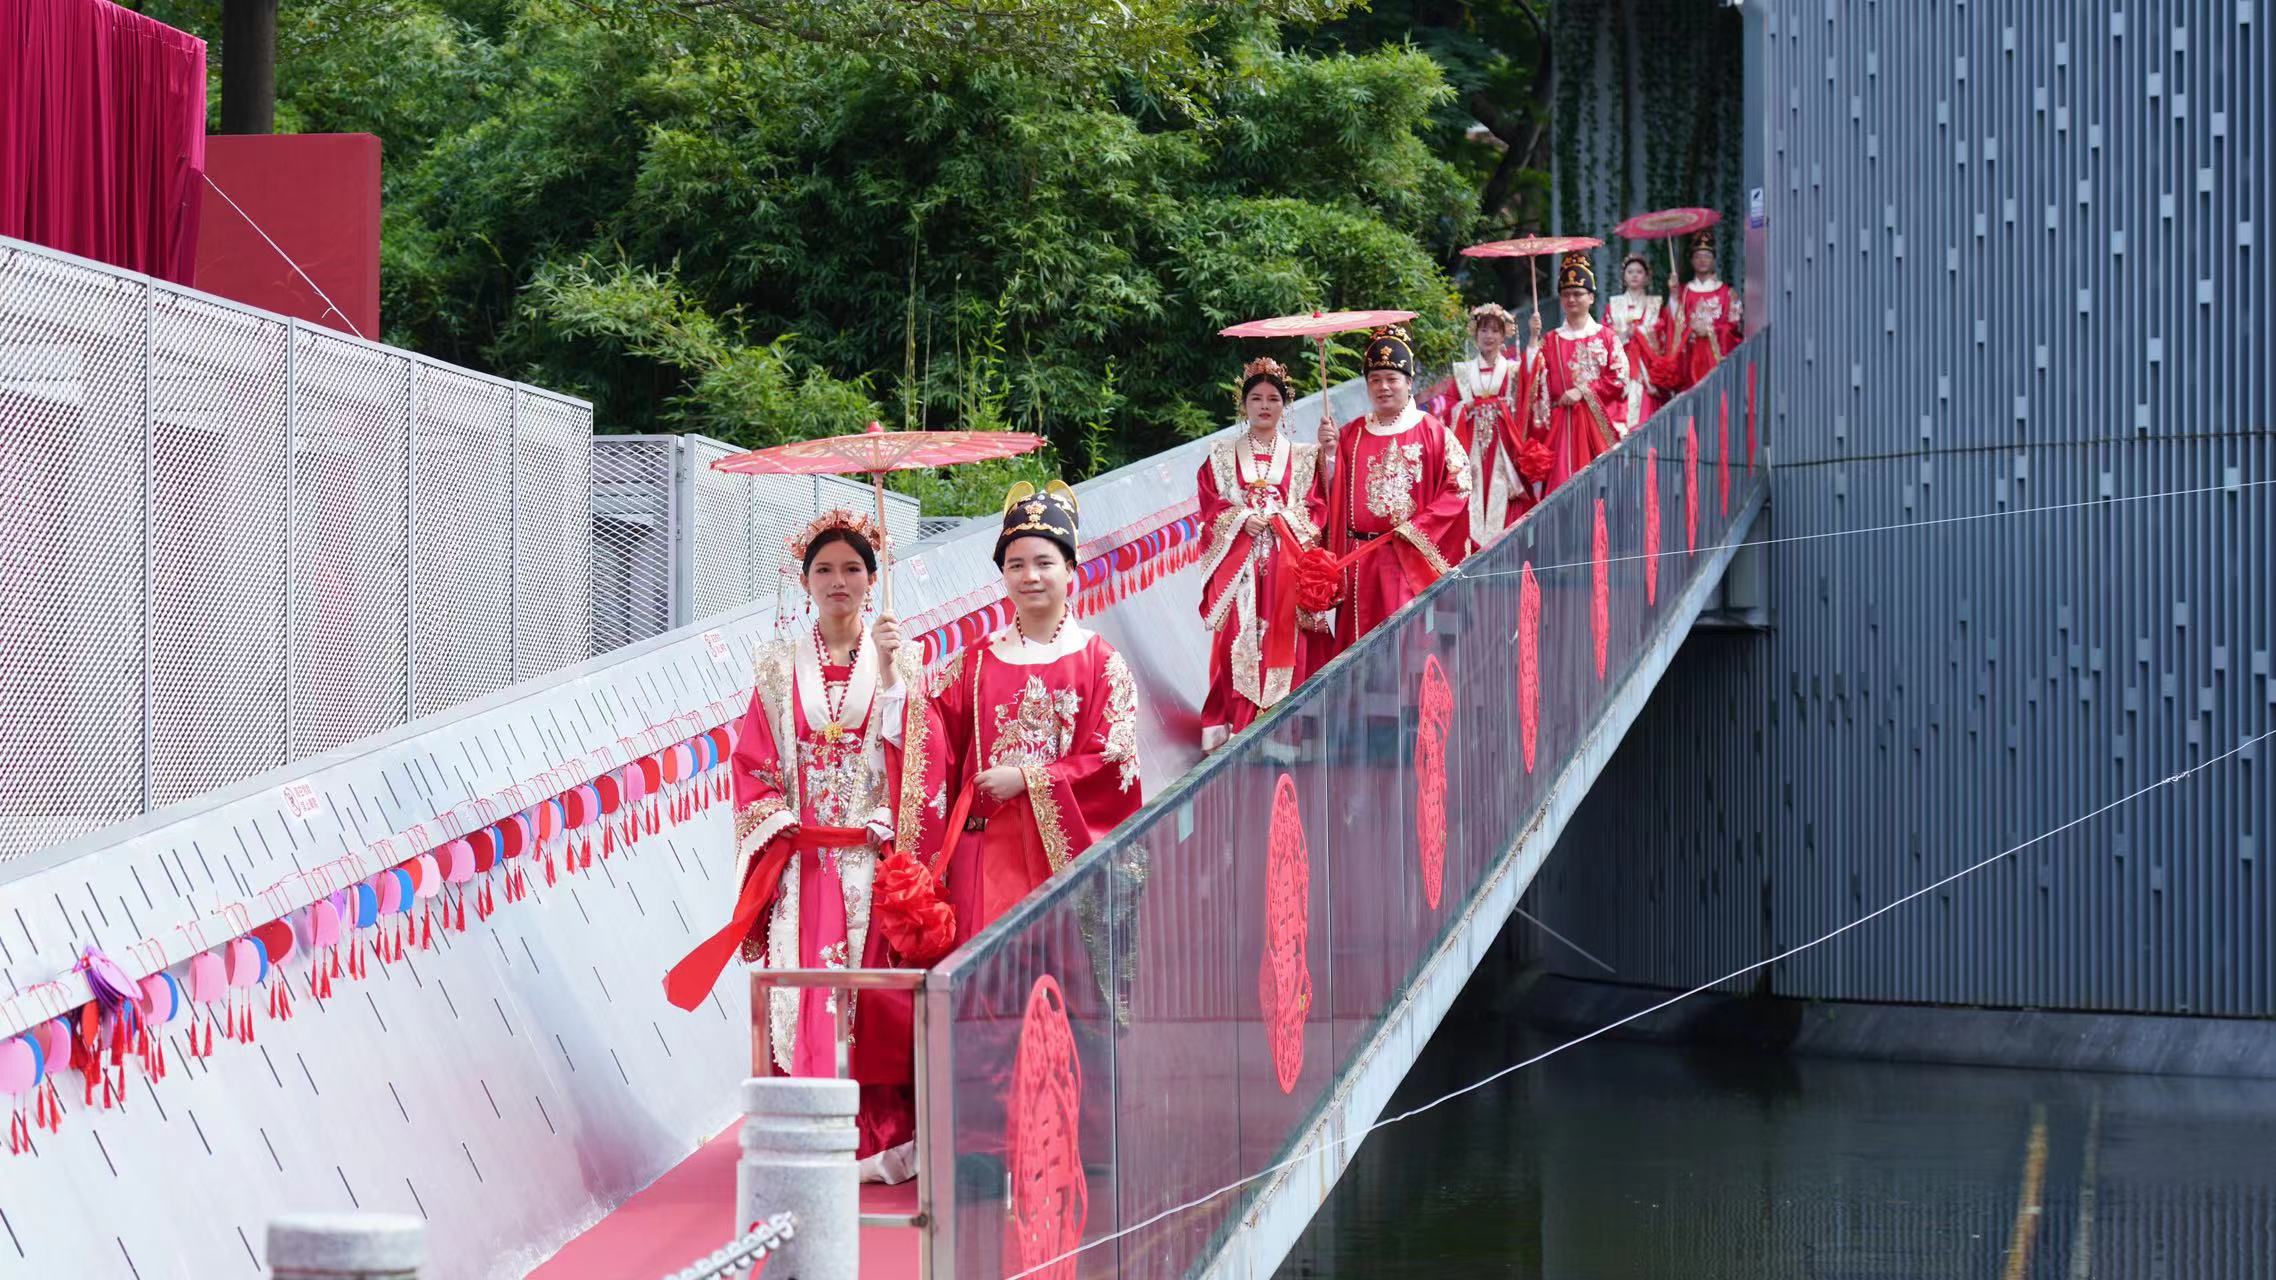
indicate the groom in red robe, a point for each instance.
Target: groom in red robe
{"x":1399,"y":495}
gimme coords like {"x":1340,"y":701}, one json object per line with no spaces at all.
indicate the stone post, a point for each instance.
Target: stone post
{"x":346,"y":1246}
{"x":798,"y":1154}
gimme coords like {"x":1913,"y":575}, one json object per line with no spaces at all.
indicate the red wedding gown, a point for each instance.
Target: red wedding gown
{"x":1248,"y":594}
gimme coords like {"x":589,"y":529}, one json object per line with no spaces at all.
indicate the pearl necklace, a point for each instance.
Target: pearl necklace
{"x":1024,"y":641}
{"x":833,"y":708}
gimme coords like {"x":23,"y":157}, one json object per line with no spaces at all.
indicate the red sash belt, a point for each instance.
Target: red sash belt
{"x":693,"y":977}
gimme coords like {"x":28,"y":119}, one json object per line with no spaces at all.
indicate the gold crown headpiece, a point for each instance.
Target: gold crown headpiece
{"x":1263,"y":369}
{"x":840,"y":518}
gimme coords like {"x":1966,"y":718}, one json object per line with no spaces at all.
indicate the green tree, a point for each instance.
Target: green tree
{"x":703,"y":220}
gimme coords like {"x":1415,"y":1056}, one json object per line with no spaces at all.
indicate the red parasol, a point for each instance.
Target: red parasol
{"x":878,"y":451}
{"x":1531,"y":247}
{"x":1318,"y":326}
{"x":1668,"y":225}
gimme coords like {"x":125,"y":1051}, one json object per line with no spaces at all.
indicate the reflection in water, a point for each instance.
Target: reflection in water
{"x":1630,"y":1160}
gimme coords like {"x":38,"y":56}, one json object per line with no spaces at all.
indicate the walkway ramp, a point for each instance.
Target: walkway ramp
{"x":1238,"y":979}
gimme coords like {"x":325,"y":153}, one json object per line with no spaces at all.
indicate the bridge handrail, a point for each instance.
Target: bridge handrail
{"x":1199,"y":981}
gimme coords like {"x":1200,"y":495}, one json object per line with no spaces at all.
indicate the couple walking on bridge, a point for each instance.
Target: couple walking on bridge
{"x":884,"y":814}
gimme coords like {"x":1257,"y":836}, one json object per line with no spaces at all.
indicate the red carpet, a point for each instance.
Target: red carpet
{"x":688,"y":1212}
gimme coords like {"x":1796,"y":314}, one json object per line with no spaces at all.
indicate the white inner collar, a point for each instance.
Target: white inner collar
{"x":1245,"y":460}
{"x":1011,"y":648}
{"x":813,"y":692}
{"x":1405,"y":422}
{"x":1704,"y":286}
{"x":1587,"y":329}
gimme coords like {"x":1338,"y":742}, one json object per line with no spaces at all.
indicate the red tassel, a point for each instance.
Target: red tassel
{"x":549,"y":874}
{"x":588,"y":863}
{"x":462,"y":911}
{"x":427,"y":930}
{"x":608,"y":842}
{"x":161,"y":1057}
{"x":272,"y":1002}
{"x":335,"y":967}
{"x":248,"y":1021}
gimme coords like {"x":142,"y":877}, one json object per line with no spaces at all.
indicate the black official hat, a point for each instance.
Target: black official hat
{"x":1390,"y":348}
{"x":1033,"y":513}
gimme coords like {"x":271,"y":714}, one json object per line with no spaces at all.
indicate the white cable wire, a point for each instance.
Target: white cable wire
{"x":1515,"y":1067}
{"x":329,"y":305}
{"x":1910,"y":524}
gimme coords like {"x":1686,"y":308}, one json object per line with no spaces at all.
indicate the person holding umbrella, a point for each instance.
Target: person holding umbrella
{"x":1580,"y":378}
{"x":819,"y":796}
{"x":1262,"y":503}
{"x":1707,"y":313}
{"x":1399,"y":496}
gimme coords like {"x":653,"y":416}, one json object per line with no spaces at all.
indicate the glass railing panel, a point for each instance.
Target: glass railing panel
{"x":1225,"y":958}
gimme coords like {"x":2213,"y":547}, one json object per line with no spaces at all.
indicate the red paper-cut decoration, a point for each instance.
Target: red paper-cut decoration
{"x":1437,"y":722}
{"x":1651,"y":525}
{"x":1723,"y":454}
{"x":1600,"y":588}
{"x":1284,"y":975}
{"x":1050,"y":1198}
{"x":1750,"y":417}
{"x":1528,"y":662}
{"x":1690,"y":484}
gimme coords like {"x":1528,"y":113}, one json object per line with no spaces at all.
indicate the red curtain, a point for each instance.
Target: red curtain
{"x":102,"y":134}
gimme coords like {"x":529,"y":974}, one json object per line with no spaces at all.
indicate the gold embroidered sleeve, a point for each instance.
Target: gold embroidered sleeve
{"x":1121,"y":720}
{"x":916,"y":751}
{"x":1457,"y":465}
{"x":1049,"y":826}
{"x":946,"y":675}
{"x":753,"y":814}
{"x":1430,"y":553}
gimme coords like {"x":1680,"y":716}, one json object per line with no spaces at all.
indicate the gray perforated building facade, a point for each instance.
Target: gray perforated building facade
{"x":2015,"y":270}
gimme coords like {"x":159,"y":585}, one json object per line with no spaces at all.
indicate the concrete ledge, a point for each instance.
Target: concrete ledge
{"x":2149,"y":1044}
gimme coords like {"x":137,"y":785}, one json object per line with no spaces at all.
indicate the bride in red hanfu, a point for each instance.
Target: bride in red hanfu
{"x":1491,"y":425}
{"x":818,"y":786}
{"x":1258,"y":493}
{"x":1398,"y":494}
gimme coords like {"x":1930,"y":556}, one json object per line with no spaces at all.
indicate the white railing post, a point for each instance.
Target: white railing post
{"x":798,"y":1155}
{"x":346,"y":1246}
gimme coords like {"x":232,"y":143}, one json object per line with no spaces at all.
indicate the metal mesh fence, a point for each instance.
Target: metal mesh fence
{"x":553,"y":468}
{"x":229,"y":540}
{"x":463,"y":558}
{"x":674,"y":541}
{"x":633,"y":506}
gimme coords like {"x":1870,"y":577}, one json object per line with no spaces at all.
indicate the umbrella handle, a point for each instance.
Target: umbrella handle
{"x":884,"y":553}
{"x":1327,"y":412}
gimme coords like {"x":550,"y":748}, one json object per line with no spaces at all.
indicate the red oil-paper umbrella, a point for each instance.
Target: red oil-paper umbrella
{"x":1668,"y":225}
{"x":1316,"y":566}
{"x":878,"y":451}
{"x":1531,"y":247}
{"x":1318,"y":326}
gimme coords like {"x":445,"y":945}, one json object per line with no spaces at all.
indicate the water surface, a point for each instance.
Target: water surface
{"x":1633,"y":1160}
